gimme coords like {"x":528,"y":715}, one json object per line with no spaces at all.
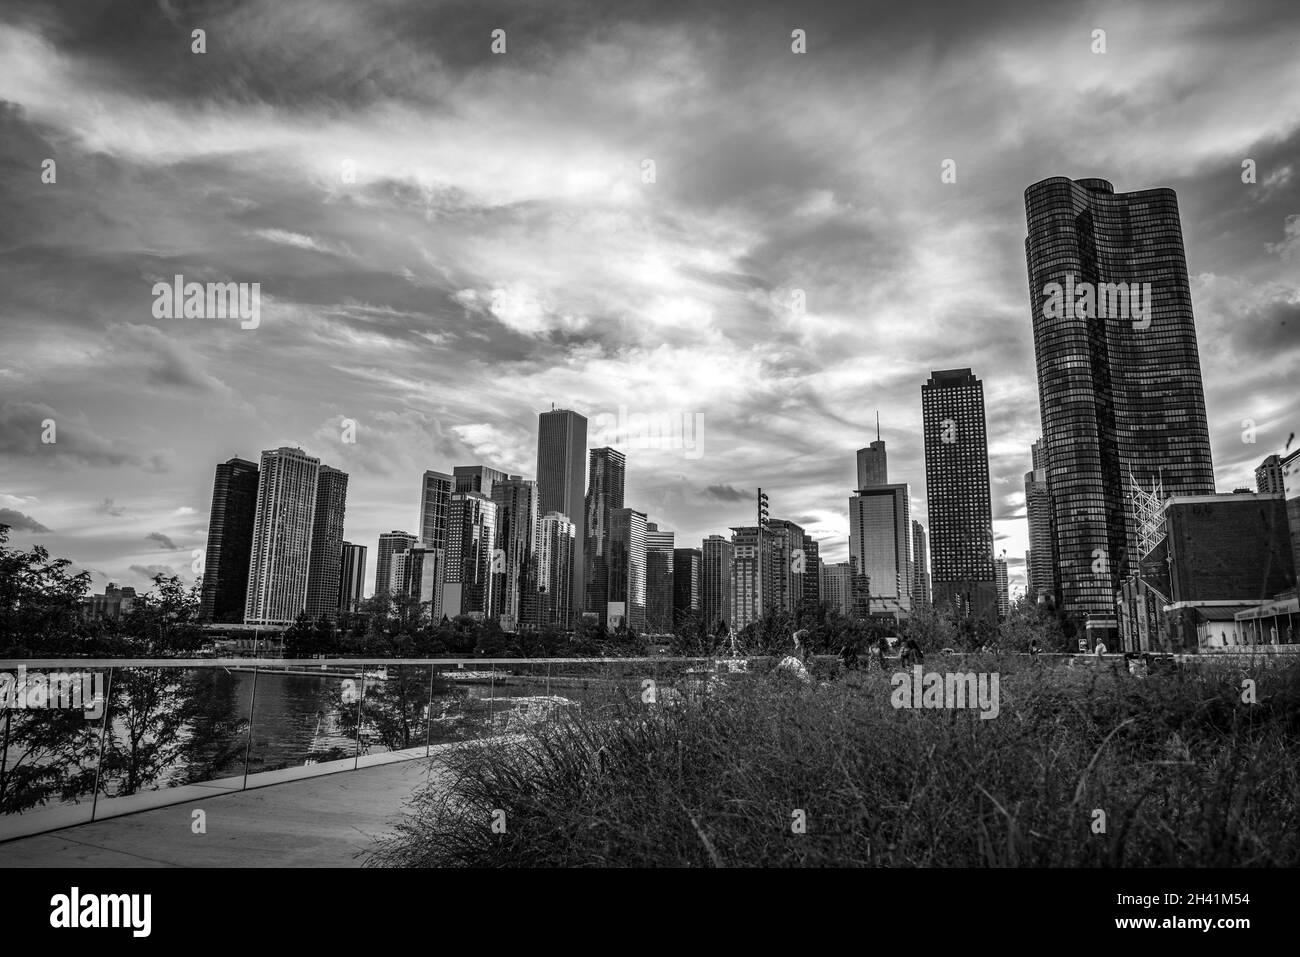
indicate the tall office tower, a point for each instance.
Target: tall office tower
{"x":753,"y":574}
{"x":435,"y":499}
{"x":230,"y":541}
{"x":1001,"y":581}
{"x":717,"y":556}
{"x":790,"y":570}
{"x":514,"y":580}
{"x":920,"y":566}
{"x":812,"y":578}
{"x":390,"y":544}
{"x":686,"y":585}
{"x":422,"y":576}
{"x":873,"y":466}
{"x":471,"y":540}
{"x":556,"y":541}
{"x":281,"y":552}
{"x":397,"y":571}
{"x":880,"y":535}
{"x":327,"y":543}
{"x":658,"y":579}
{"x":476,"y":478}
{"x":1119,"y":387}
{"x":837,"y":579}
{"x":1041,"y":573}
{"x":604,"y":494}
{"x":1268,"y":477}
{"x":561,"y":457}
{"x":957,"y":483}
{"x":352,"y":577}
{"x":627,"y":569}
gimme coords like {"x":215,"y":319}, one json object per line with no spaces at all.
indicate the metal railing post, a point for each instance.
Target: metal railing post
{"x":428,"y":714}
{"x":248,"y":747}
{"x":356,"y":758}
{"x":103,"y":730}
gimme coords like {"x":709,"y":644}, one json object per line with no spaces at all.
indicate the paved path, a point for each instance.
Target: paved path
{"x":328,"y":821}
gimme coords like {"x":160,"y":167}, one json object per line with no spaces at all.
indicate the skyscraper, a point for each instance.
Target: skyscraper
{"x":1000,"y":579}
{"x":230,"y":541}
{"x":390,"y":544}
{"x":555,"y":545}
{"x":790,"y":563}
{"x":957,"y":485}
{"x":514,"y":583}
{"x":327,"y":543}
{"x":471,"y":542}
{"x":837,"y":579}
{"x":435,"y":498}
{"x":753,"y":574}
{"x":282,"y":528}
{"x":1119,"y":376}
{"x":352,"y":577}
{"x":627,"y":569}
{"x":686,"y":584}
{"x":604,"y":494}
{"x":476,"y":478}
{"x":659,"y":579}
{"x":873,"y":465}
{"x":920,"y":566}
{"x":812,"y":578}
{"x":716,"y":559}
{"x":880,"y":536}
{"x":422,"y":577}
{"x":1040,"y":569}
{"x":561,"y":456}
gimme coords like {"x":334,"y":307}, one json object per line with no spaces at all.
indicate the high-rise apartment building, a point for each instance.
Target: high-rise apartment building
{"x":659,"y":545}
{"x":1040,"y":569}
{"x":790,"y":569}
{"x":716,"y":559}
{"x":561,"y":458}
{"x":1268,"y":476}
{"x":920,"y":565}
{"x":604,"y":494}
{"x":282,"y":528}
{"x":812,"y":576}
{"x":958,"y":500}
{"x":352,"y":577}
{"x":880,"y":535}
{"x":1001,"y":581}
{"x":230,"y":542}
{"x":436,"y":490}
{"x":555,"y":546}
{"x":422,"y":578}
{"x":627,"y":569}
{"x":687,"y":581}
{"x":837,"y":579}
{"x":476,"y":478}
{"x":753,"y":574}
{"x":471,"y":544}
{"x":390,"y":544}
{"x":514,"y":584}
{"x":327,"y":543}
{"x":1119,"y":376}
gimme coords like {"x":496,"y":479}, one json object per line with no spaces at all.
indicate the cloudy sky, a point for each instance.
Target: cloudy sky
{"x":450,"y":240}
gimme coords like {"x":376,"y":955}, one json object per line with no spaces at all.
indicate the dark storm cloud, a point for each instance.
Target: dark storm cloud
{"x":19,"y":521}
{"x":162,"y":540}
{"x":726,"y":493}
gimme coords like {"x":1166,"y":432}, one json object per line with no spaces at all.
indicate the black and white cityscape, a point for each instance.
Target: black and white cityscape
{"x":651,"y":435}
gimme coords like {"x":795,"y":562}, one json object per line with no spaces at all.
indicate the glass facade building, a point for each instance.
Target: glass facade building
{"x":1120,"y":392}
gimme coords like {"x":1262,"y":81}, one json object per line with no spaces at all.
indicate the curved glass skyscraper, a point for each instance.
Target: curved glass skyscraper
{"x":1119,"y":377}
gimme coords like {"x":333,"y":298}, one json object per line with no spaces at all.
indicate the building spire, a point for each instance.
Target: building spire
{"x":877,"y":425}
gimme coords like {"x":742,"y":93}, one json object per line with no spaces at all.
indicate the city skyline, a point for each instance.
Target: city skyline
{"x":446,"y":296}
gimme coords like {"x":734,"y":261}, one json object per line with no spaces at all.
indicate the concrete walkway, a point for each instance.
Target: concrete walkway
{"x":328,"y":821}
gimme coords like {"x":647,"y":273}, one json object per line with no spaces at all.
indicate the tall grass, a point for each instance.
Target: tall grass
{"x":1185,"y":773}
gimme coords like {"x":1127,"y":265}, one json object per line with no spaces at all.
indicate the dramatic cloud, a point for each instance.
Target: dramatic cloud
{"x":162,"y":540}
{"x":651,"y":208}
{"x":19,"y":522}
